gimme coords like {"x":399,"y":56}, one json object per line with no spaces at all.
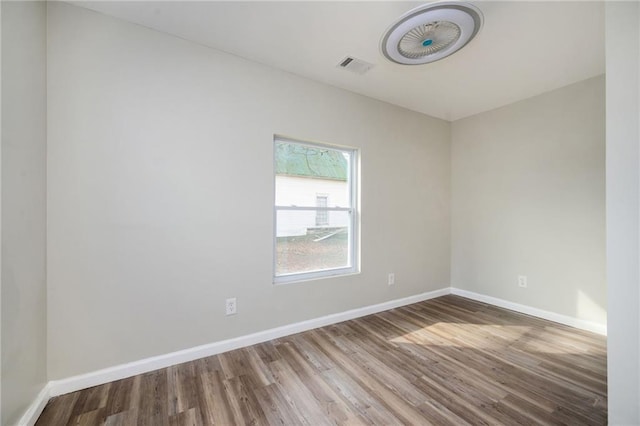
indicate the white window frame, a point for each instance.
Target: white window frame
{"x":353,"y":232}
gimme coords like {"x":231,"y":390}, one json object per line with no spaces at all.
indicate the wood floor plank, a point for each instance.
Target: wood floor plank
{"x":446,"y":361}
{"x":189,"y":417}
{"x":119,"y":396}
{"x":298,"y":396}
{"x":333,"y":407}
{"x":181,"y":387}
{"x":276,"y":408}
{"x":90,"y":401}
{"x":214,"y":400}
{"x":58,"y":410}
{"x":244,"y":403}
{"x":123,"y":418}
{"x":154,"y":410}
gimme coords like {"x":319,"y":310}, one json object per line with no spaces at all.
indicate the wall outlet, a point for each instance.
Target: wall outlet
{"x":391,"y":279}
{"x":522,"y":281}
{"x":231,"y":306}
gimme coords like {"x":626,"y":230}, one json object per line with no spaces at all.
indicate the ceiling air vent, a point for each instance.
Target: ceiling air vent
{"x":355,"y":65}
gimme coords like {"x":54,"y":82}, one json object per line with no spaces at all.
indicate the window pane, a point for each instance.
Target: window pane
{"x":302,"y":246}
{"x":315,"y":207}
{"x":303,"y":172}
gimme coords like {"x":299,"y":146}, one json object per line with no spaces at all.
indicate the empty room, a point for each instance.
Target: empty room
{"x":315,"y":213}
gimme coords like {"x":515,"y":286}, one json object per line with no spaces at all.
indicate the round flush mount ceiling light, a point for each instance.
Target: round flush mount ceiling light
{"x":431,"y":32}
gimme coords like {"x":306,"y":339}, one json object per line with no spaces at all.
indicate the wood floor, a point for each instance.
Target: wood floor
{"x":446,"y":361}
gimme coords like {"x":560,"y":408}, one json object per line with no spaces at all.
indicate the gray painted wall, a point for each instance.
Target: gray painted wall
{"x":160,"y":191}
{"x":23,"y":206}
{"x":529,"y":199}
{"x":623,"y":213}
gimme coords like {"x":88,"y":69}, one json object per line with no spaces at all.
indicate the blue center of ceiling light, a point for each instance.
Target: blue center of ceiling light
{"x":427,"y":42}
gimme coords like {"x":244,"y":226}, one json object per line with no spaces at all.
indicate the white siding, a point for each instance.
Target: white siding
{"x":302,"y":192}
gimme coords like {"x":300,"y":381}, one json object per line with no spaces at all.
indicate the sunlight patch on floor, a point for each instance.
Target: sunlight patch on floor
{"x":433,"y":332}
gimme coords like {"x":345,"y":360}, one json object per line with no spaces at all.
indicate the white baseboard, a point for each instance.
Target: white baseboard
{"x":72,"y":384}
{"x":524,"y":309}
{"x":30,"y":417}
{"x":75,"y":383}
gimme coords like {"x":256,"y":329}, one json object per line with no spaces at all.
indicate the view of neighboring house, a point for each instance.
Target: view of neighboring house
{"x":310,"y":177}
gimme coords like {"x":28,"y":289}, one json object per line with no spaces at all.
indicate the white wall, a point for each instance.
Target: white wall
{"x":23,"y":206}
{"x":149,"y":133}
{"x":529,"y":199}
{"x":623,"y":214}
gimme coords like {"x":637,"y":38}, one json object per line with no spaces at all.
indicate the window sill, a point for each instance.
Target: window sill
{"x":314,"y":276}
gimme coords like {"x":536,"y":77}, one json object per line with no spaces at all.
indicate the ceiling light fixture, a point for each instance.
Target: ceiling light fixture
{"x":431,"y":32}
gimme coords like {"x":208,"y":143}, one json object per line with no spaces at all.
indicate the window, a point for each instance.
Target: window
{"x":315,"y":210}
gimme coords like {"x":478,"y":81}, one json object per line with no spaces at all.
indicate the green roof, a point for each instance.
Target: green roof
{"x":300,"y":160}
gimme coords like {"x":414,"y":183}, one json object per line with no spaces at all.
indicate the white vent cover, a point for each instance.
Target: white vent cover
{"x":355,"y":65}
{"x":431,"y":32}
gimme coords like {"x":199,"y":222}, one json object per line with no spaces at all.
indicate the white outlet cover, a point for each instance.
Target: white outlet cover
{"x":522,"y":281}
{"x":231,"y":306}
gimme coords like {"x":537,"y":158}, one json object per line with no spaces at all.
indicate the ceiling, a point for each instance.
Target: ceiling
{"x":524,"y":48}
